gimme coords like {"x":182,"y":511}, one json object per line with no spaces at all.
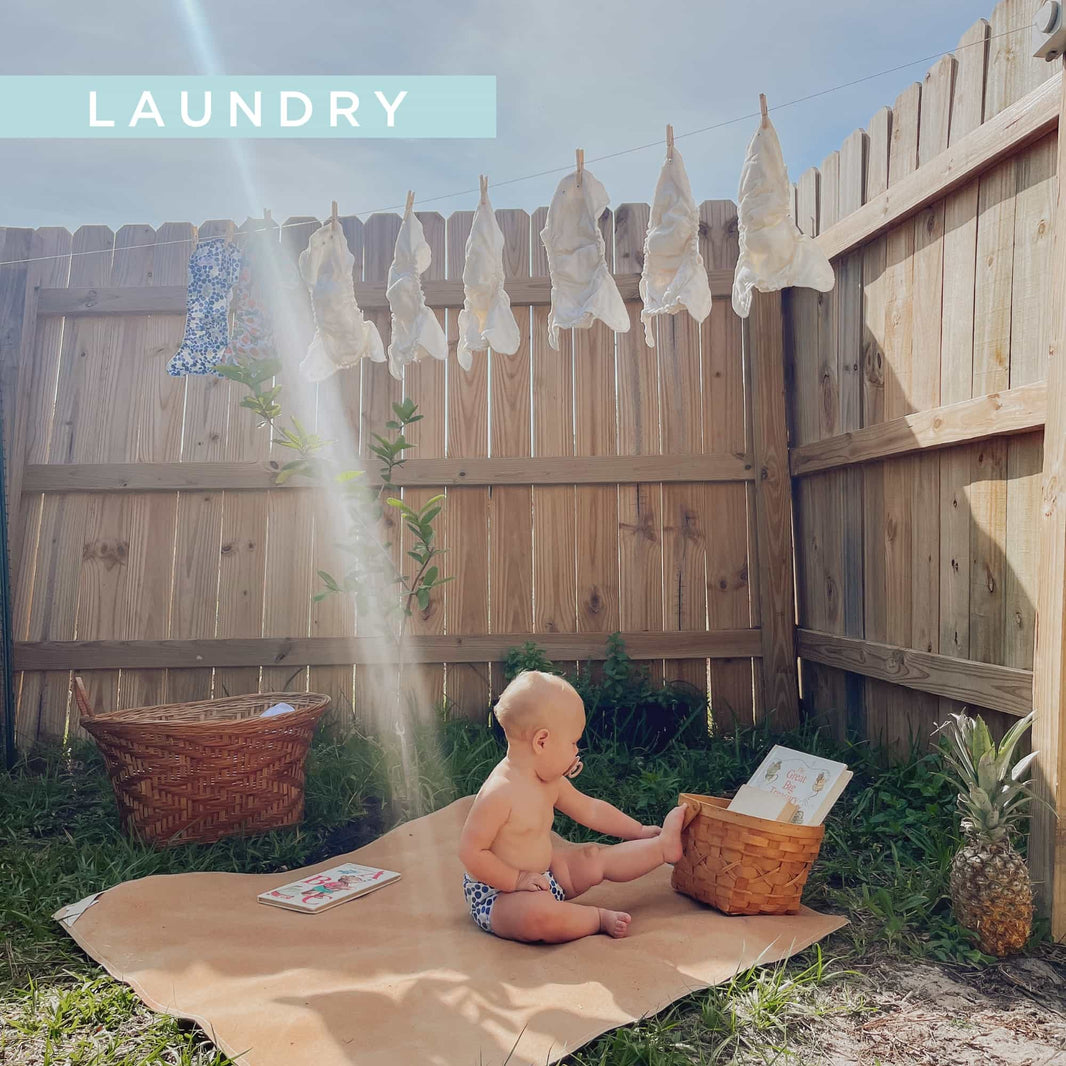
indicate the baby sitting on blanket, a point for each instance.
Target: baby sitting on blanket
{"x":520,"y":877}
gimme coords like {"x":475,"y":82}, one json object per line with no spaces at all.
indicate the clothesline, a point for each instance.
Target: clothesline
{"x":558,"y":170}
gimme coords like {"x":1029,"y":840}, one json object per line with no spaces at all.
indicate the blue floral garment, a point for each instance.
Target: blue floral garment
{"x":213,"y":270}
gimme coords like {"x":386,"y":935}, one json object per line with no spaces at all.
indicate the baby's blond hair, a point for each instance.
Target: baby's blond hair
{"x":528,"y":702}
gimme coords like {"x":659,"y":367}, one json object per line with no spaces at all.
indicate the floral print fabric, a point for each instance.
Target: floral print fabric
{"x":213,"y":270}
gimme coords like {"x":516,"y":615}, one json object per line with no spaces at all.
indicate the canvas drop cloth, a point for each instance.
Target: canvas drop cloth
{"x":403,"y":975}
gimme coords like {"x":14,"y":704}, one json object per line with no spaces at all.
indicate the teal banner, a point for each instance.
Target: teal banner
{"x":275,"y":106}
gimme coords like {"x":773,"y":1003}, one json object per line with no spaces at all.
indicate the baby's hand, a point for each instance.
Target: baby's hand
{"x":649,"y":831}
{"x":532,"y":882}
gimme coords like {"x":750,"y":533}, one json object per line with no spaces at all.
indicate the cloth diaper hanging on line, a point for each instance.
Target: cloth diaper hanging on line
{"x":342,"y":335}
{"x":582,"y":288}
{"x":486,"y":319}
{"x":266,"y":281}
{"x":213,"y":270}
{"x":673,"y":277}
{"x":416,"y":332}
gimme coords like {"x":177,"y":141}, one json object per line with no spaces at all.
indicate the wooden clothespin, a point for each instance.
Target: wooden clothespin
{"x":762,"y":108}
{"x":266,"y":218}
{"x":669,"y":143}
{"x":333,"y":214}
{"x":580,"y":165}
{"x":410,"y":203}
{"x":484,"y":187}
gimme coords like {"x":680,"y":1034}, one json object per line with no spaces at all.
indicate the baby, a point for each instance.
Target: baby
{"x":521,"y":876}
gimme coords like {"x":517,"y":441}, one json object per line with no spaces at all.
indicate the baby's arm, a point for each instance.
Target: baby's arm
{"x":599,"y":815}
{"x":487,"y":816}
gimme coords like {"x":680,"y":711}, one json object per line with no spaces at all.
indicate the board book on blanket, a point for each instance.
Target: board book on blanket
{"x":329,"y":888}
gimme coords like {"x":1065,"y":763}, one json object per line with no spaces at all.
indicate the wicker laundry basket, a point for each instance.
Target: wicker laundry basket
{"x":188,"y":773}
{"x":741,"y":864}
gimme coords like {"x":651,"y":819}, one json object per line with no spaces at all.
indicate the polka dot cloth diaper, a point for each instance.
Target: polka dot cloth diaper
{"x":481,"y":898}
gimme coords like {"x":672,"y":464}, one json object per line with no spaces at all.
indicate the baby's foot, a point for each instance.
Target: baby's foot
{"x":614,"y":923}
{"x":671,"y":834}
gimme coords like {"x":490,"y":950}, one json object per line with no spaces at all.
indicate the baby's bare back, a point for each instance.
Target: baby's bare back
{"x":524,"y":840}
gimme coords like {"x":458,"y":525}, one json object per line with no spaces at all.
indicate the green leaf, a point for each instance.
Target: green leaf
{"x":431,"y":575}
{"x":328,"y":579}
{"x":349,"y":475}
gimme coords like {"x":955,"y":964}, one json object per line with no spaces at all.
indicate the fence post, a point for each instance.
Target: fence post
{"x":1047,"y":842}
{"x":764,"y":351}
{"x":15,"y":245}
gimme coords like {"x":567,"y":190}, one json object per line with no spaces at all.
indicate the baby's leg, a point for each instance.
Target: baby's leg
{"x":532,"y":916}
{"x":580,"y":868}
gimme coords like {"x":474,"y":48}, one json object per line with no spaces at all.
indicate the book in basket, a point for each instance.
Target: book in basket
{"x":812,"y":783}
{"x":323,"y":890}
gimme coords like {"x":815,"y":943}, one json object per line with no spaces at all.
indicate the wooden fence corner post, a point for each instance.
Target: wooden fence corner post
{"x":764,"y":353}
{"x":1047,"y":842}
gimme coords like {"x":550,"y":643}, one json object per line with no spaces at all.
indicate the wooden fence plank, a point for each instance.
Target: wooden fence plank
{"x":40,"y":356}
{"x":982,"y":684}
{"x":425,"y":473}
{"x":898,"y":378}
{"x":875,"y":303}
{"x":1016,"y":410}
{"x":467,"y":512}
{"x":440,"y":294}
{"x":289,"y":575}
{"x":322,"y":651}
{"x":726,"y":428}
{"x":198,"y":539}
{"x":765,"y":348}
{"x":851,"y":193}
{"x":1047,"y":838}
{"x":159,"y":405}
{"x":554,"y":531}
{"x":511,"y":508}
{"x":640,"y":534}
{"x":1031,"y":314}
{"x":956,"y":355}
{"x":425,"y":383}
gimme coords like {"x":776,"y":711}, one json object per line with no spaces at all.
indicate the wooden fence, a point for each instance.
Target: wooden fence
{"x":918,"y":403}
{"x":608,"y":486}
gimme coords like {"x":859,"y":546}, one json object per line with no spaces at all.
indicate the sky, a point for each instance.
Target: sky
{"x":603,"y":75}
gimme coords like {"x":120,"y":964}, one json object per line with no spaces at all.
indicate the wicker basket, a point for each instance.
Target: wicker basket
{"x":196,"y":772}
{"x":741,"y":864}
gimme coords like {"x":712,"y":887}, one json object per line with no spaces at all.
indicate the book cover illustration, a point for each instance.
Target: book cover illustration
{"x":330,"y":887}
{"x":805,"y":779}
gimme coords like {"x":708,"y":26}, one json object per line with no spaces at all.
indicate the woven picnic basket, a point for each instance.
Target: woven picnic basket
{"x":188,"y":773}
{"x":741,"y":864}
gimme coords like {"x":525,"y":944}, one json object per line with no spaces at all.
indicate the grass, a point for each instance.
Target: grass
{"x":884,"y":864}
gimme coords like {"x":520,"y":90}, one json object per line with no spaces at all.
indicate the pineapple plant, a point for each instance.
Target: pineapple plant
{"x":991,"y":892}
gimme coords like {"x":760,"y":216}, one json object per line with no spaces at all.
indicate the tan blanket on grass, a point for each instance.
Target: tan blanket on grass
{"x":403,"y":975}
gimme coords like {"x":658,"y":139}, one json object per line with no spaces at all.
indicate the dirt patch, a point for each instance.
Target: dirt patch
{"x":916,"y":1014}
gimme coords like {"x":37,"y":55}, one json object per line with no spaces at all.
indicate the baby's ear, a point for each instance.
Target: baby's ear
{"x":540,"y":738}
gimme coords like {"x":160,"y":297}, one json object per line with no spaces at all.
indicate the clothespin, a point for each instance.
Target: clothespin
{"x":762,"y":108}
{"x":333,"y":214}
{"x":669,"y":143}
{"x":484,"y":187}
{"x":266,"y":218}
{"x":410,"y":203}
{"x":580,"y":165}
